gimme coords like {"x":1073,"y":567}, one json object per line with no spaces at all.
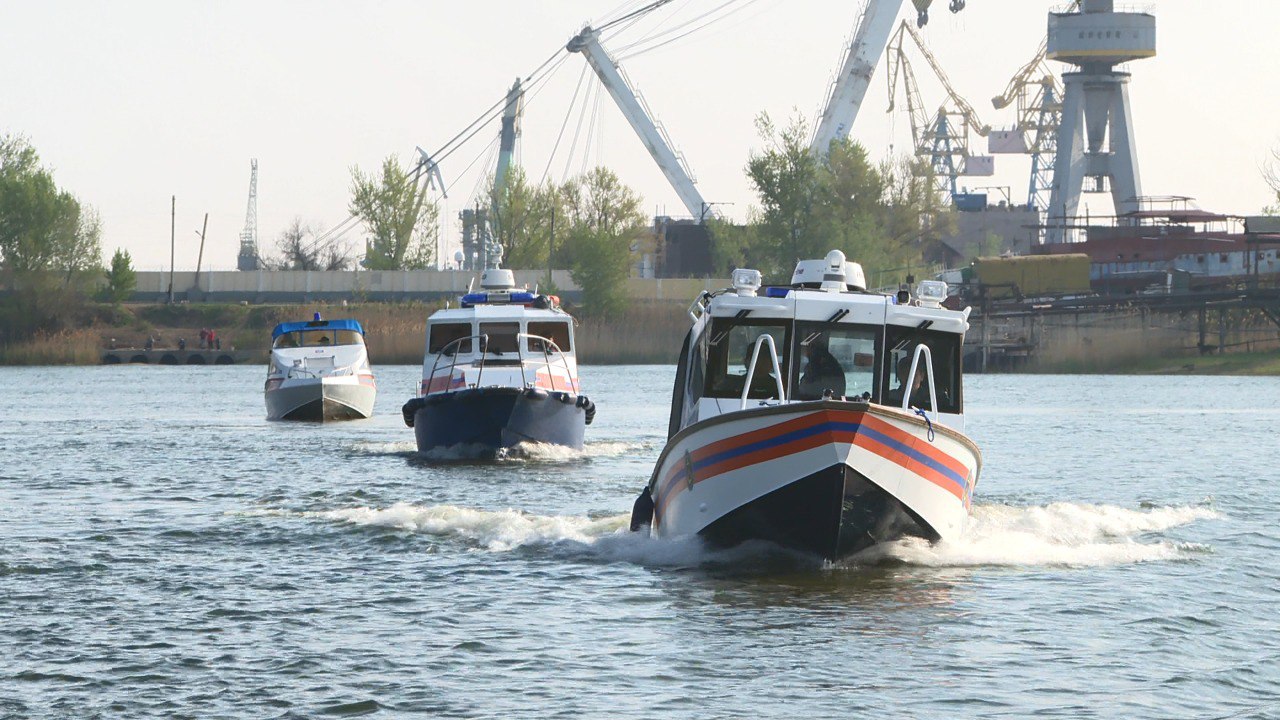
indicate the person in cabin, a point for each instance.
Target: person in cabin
{"x":919,"y":388}
{"x":763,"y":384}
{"x":821,"y":372}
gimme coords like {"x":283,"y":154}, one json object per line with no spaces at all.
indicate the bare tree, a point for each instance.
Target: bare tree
{"x":299,"y":247}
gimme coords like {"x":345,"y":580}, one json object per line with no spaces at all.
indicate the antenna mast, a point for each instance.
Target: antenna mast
{"x":249,"y":259}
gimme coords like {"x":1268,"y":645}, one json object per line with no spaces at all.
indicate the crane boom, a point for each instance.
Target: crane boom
{"x":850,"y":88}
{"x":510,"y":131}
{"x":875,"y":25}
{"x":606,"y":68}
{"x":963,"y":107}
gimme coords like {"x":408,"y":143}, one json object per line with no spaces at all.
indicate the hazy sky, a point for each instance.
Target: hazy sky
{"x":131,"y":102}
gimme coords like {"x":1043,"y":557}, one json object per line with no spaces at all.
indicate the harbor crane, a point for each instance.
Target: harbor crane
{"x":944,"y":138}
{"x":249,"y":260}
{"x":655,"y":140}
{"x":875,"y":25}
{"x":1036,"y":94}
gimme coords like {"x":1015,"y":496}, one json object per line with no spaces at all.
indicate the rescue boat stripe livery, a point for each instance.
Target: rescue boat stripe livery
{"x":811,"y":431}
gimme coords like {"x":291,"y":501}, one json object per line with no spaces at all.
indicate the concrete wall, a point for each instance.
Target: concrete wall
{"x":300,"y":286}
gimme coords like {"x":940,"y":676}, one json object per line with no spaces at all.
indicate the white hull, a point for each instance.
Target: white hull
{"x":319,"y":399}
{"x":828,"y":477}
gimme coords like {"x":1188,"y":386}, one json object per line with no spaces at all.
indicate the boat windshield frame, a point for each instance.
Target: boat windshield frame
{"x":317,"y":337}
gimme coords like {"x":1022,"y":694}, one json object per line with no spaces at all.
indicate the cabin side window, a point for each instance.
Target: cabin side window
{"x":729,"y":354}
{"x":840,"y":359}
{"x":501,"y":338}
{"x":554,"y":330}
{"x":900,"y":344}
{"x":347,"y":337}
{"x":442,"y":335}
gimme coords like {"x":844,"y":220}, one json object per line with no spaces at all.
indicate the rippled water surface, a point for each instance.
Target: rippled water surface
{"x":167,"y":552}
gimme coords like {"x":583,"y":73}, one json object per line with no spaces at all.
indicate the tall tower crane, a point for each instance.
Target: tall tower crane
{"x":249,"y":260}
{"x":1096,"y":137}
{"x":875,"y":25}
{"x":655,"y":140}
{"x":1036,"y":94}
{"x":943,"y":139}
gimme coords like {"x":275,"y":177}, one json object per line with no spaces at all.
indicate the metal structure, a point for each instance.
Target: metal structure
{"x":249,"y":260}
{"x":942,"y":139}
{"x":1036,"y":94}
{"x":1095,"y":108}
{"x":870,"y":37}
{"x":510,"y":133}
{"x":655,"y":140}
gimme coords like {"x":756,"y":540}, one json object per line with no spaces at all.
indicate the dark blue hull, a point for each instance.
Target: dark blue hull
{"x":494,"y":418}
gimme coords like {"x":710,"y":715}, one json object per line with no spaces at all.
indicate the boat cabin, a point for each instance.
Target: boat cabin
{"x":503,"y":336}
{"x":317,"y":333}
{"x":823,"y":337}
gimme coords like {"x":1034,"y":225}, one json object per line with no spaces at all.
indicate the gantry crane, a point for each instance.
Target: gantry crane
{"x":875,"y":25}
{"x":943,"y":138}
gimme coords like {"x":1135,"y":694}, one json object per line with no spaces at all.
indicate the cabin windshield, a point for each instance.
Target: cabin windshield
{"x":901,"y":343}
{"x":729,"y":353}
{"x":839,"y":359}
{"x":501,"y":337}
{"x":318,"y":338}
{"x":554,"y":330}
{"x":441,"y":334}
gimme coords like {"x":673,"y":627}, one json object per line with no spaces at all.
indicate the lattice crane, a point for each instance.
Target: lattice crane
{"x":941,"y":138}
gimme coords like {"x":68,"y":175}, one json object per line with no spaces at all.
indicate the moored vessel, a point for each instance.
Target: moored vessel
{"x":319,"y":370}
{"x":793,"y":421}
{"x":499,"y":370}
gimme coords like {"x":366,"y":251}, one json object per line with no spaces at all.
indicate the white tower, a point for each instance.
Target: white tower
{"x":1096,"y":141}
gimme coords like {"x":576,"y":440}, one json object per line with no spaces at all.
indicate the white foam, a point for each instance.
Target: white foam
{"x":368,"y":447}
{"x":546,"y":452}
{"x":1060,"y":534}
{"x":495,"y":530}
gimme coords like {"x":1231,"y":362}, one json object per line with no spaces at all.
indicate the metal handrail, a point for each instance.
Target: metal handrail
{"x":751,"y":370}
{"x":921,"y":349}
{"x":546,"y":360}
{"x":481,"y":338}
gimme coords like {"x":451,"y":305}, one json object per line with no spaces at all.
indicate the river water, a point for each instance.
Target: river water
{"x":167,"y":552}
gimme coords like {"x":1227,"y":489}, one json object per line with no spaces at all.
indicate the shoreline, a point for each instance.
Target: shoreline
{"x":650,"y":333}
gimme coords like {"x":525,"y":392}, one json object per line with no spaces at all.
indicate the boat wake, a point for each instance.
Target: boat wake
{"x":1059,"y":534}
{"x":524,"y":452}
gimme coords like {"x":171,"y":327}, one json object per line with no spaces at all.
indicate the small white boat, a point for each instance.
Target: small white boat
{"x":791,"y":421}
{"x":499,"y":370}
{"x":319,"y":370}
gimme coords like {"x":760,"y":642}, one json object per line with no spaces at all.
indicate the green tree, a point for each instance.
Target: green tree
{"x":523,"y":217}
{"x":603,"y":222}
{"x":880,"y":216}
{"x":402,"y":224}
{"x":49,"y":246}
{"x":121,"y":278}
{"x":42,"y":228}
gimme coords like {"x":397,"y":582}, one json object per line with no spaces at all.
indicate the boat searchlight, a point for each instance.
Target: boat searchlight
{"x":931,"y":293}
{"x":746,"y":282}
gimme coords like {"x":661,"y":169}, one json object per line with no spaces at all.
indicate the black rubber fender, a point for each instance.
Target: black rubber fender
{"x":534,"y":393}
{"x":411,"y":408}
{"x":563,"y":397}
{"x":589,"y":407}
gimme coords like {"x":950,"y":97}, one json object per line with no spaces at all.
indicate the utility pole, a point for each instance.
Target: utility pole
{"x":173,"y":215}
{"x":200,"y":257}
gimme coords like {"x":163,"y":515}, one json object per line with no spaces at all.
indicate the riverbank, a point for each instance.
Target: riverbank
{"x":649,"y":333}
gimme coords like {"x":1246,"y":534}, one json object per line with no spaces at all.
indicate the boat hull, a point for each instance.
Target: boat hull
{"x":320,"y":400}
{"x":494,"y":418}
{"x":829,"y":478}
